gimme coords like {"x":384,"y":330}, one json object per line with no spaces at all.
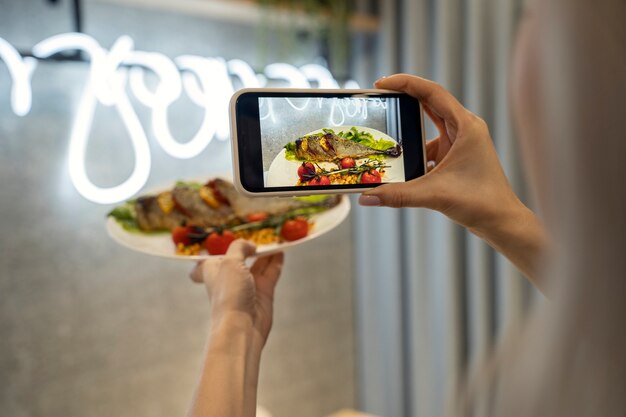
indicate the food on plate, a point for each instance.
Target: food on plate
{"x":347,"y":162}
{"x":256,"y":217}
{"x":217,"y":243}
{"x":329,"y":147}
{"x":345,"y":157}
{"x":319,"y":180}
{"x":295,"y":229}
{"x":183,"y":235}
{"x":306,"y":169}
{"x":371,"y":177}
{"x":368,"y":172}
{"x":210,"y":216}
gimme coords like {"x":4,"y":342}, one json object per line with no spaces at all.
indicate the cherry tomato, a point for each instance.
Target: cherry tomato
{"x":256,"y":217}
{"x":180,"y":234}
{"x":347,"y":162}
{"x":295,"y":229}
{"x":217,"y":244}
{"x":371,"y":177}
{"x":322,"y":180}
{"x":306,"y":170}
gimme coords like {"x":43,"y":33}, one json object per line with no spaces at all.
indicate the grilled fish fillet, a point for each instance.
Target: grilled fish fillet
{"x":189,"y":209}
{"x":198,"y":213}
{"x":330,"y":147}
{"x":150,"y":216}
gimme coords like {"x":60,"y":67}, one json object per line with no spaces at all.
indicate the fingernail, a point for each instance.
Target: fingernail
{"x":369,"y":200}
{"x":380,"y":79}
{"x":430,"y":165}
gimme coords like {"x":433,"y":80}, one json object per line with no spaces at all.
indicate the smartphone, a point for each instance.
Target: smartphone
{"x":289,"y":142}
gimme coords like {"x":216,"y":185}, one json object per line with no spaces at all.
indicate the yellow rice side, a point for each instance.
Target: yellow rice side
{"x":260,"y":236}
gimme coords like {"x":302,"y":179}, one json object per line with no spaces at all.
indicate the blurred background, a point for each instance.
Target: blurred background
{"x":382,"y":315}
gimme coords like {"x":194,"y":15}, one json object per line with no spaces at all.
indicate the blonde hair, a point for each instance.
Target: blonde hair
{"x":569,"y":358}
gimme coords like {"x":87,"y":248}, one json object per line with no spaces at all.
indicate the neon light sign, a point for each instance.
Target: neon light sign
{"x":208,"y":82}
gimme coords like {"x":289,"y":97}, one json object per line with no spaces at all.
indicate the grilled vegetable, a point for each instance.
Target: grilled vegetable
{"x":207,"y":195}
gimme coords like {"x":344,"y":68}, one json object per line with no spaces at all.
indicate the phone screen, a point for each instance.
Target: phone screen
{"x":326,"y":141}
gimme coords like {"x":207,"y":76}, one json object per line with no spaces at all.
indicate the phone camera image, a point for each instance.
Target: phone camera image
{"x":330,"y":141}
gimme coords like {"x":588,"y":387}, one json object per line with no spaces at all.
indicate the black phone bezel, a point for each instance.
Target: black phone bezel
{"x":249,"y":138}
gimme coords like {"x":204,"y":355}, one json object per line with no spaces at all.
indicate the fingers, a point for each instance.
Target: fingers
{"x":440,"y":101}
{"x":432,"y":147}
{"x":438,"y":121}
{"x":415,"y":193}
{"x":275,"y":267}
{"x":268,"y":267}
{"x":260,"y":265}
{"x":196,"y":273}
{"x":239,"y":250}
{"x":204,"y":270}
{"x":266,"y":272}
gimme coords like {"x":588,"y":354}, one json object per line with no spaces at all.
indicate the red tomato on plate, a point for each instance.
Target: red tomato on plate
{"x":347,"y":162}
{"x":217,"y":244}
{"x":323,"y":180}
{"x":371,"y":177}
{"x":306,"y":170}
{"x":180,"y":234}
{"x":295,"y":229}
{"x":256,"y":217}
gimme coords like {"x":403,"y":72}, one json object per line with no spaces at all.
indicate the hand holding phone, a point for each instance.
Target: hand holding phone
{"x":302,"y":142}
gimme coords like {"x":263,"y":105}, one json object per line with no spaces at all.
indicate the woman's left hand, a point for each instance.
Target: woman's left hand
{"x":242,"y":301}
{"x":241,"y":295}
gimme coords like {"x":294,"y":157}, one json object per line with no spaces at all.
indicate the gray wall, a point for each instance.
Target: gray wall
{"x":88,"y":328}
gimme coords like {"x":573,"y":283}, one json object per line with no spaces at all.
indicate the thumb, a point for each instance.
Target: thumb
{"x":240,"y":249}
{"x":415,"y":193}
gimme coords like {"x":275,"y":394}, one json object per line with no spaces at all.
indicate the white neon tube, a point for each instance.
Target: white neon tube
{"x":78,"y":148}
{"x":214,"y":88}
{"x":21,"y":71}
{"x":169,"y":87}
{"x":320,"y":75}
{"x":336,"y":108}
{"x":198,"y":94}
{"x":242,"y":70}
{"x":294,"y":77}
{"x":207,"y":81}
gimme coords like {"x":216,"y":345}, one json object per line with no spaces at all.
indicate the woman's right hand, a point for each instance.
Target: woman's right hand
{"x":467,"y":182}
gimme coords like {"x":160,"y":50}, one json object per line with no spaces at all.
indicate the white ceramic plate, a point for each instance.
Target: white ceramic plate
{"x":283,"y":172}
{"x":160,"y":244}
